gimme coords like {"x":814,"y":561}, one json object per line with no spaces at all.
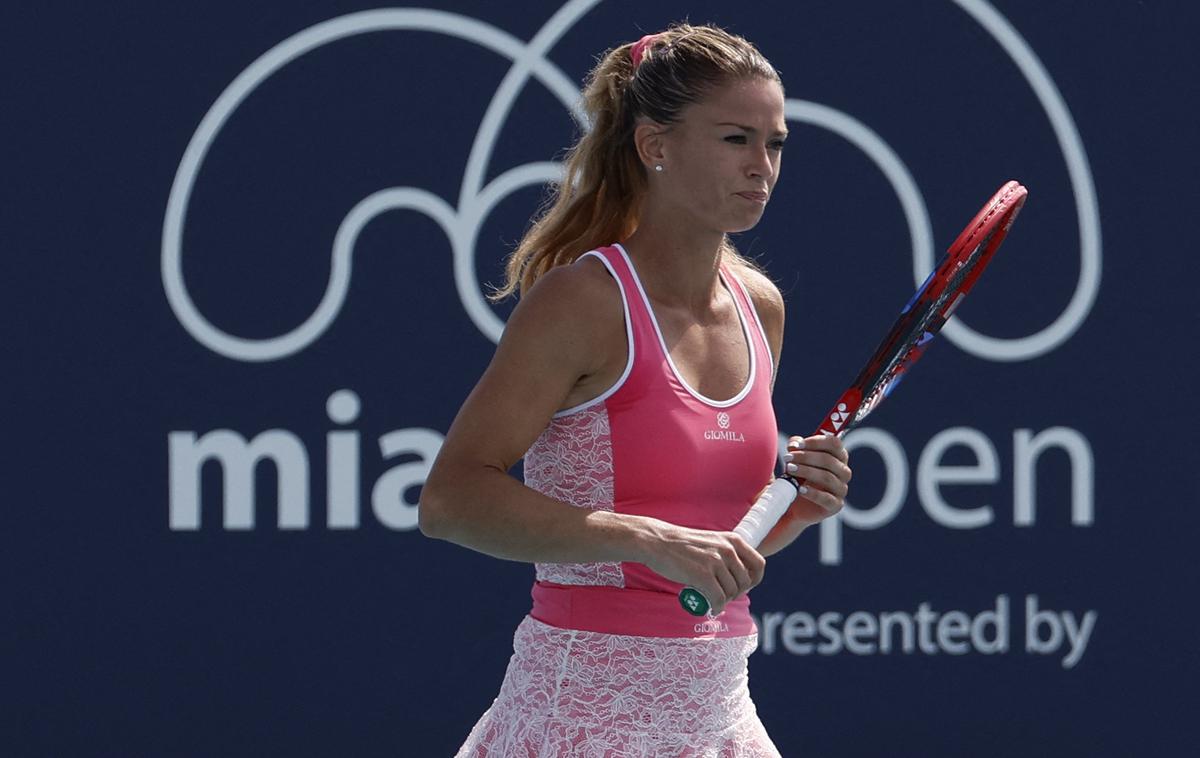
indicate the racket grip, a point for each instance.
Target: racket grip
{"x":768,"y":510}
{"x":754,"y":526}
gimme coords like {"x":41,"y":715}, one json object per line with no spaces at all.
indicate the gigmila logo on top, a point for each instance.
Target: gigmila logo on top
{"x":239,"y":454}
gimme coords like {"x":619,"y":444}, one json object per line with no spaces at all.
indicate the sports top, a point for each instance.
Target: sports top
{"x":652,"y":445}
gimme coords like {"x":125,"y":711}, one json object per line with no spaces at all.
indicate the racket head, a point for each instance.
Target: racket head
{"x":928,"y":309}
{"x":987,"y":230}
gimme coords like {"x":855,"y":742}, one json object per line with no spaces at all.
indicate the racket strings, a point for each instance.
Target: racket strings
{"x":911,"y":345}
{"x":900,"y":357}
{"x":981,"y":252}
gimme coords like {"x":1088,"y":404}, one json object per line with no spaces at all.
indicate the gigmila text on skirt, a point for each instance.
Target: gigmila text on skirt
{"x":580,"y":694}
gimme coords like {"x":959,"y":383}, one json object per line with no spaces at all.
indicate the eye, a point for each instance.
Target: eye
{"x":776,"y":144}
{"x":737,"y":139}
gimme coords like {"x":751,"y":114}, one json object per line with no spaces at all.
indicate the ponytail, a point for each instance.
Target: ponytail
{"x":596,"y":202}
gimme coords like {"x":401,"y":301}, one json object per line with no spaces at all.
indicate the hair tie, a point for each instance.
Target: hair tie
{"x":639,"y":49}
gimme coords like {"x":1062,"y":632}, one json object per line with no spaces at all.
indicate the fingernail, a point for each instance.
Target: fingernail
{"x":791,"y":468}
{"x":803,"y":489}
{"x":798,"y":443}
{"x":788,"y":458}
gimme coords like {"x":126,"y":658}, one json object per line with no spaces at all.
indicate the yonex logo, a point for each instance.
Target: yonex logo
{"x":838,"y":417}
{"x":723,"y":420}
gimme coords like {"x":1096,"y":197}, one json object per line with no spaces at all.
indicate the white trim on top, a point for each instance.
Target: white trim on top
{"x":757,"y":320}
{"x":667,"y":353}
{"x":628,"y":339}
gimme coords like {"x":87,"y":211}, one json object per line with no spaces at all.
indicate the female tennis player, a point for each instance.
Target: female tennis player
{"x":635,"y":377}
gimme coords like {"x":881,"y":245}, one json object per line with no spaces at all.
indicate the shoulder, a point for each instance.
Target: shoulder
{"x":579,"y":291}
{"x":768,"y":302}
{"x":570,"y":307}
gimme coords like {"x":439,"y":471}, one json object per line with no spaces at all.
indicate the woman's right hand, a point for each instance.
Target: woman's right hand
{"x":722,"y":565}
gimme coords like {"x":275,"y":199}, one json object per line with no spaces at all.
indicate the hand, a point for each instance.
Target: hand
{"x":721,"y":565}
{"x":823,"y":463}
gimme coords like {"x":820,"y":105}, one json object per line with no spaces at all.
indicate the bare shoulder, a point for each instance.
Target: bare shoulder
{"x":581,"y":297}
{"x":570,"y":311}
{"x":586,"y":278}
{"x":768,"y":302}
{"x":554,"y":336}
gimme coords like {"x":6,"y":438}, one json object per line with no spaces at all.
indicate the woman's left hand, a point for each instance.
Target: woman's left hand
{"x":822,"y":462}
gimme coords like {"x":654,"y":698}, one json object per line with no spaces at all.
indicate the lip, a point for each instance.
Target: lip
{"x":754,"y":197}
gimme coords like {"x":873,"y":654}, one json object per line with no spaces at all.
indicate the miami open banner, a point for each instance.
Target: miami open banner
{"x":247,"y":253}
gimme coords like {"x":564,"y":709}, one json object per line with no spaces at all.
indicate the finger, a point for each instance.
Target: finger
{"x":826,"y":482}
{"x":821,"y":477}
{"x":826,"y":501}
{"x":741,"y":575}
{"x":753,"y":561}
{"x":829,"y":443}
{"x":727,"y":581}
{"x":819,"y":460}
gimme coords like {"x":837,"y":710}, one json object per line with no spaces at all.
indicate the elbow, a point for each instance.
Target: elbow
{"x":431,"y":517}
{"x":435,"y":508}
{"x":444,"y":509}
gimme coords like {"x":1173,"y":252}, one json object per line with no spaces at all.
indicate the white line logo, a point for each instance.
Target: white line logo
{"x":838,"y":417}
{"x":461,"y":223}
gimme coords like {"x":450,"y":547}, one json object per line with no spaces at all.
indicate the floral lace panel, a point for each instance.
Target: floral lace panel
{"x":572,"y":461}
{"x":572,"y":694}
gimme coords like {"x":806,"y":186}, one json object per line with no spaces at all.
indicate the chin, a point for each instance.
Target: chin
{"x":743,"y":224}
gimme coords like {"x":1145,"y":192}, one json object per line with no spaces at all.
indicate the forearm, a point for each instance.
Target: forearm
{"x":491,"y":512}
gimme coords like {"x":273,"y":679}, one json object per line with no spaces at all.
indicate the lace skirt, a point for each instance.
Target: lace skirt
{"x":579,"y":694}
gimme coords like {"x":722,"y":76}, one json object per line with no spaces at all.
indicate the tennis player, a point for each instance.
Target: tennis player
{"x":635,"y":377}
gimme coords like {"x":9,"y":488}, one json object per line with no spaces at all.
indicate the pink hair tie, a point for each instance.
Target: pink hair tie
{"x":639,"y":49}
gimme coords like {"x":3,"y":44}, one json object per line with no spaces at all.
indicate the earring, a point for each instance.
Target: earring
{"x":658,"y":167}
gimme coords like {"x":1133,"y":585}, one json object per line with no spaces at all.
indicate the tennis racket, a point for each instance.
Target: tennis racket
{"x":918,"y":323}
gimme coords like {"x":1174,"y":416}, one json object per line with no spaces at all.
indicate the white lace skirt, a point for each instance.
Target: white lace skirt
{"x":594,"y":695}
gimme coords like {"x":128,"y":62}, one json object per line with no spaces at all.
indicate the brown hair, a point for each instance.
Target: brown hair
{"x":597,"y":200}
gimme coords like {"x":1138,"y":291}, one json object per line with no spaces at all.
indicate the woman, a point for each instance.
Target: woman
{"x":635,"y":380}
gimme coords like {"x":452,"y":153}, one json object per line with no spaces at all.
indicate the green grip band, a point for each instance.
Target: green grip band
{"x":693,"y":601}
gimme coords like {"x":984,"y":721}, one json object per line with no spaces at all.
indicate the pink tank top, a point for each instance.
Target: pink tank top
{"x":652,"y":445}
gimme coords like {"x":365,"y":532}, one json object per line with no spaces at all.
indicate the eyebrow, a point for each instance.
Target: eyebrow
{"x":750,"y":129}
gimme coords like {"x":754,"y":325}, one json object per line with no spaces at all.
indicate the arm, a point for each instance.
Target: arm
{"x":549,"y":344}
{"x":821,"y":460}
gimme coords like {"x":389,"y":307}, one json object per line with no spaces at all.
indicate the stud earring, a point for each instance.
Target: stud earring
{"x":658,"y":167}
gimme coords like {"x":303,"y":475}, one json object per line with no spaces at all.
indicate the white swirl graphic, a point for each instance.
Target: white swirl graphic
{"x":476,"y":201}
{"x":1086,"y":207}
{"x":461,"y":225}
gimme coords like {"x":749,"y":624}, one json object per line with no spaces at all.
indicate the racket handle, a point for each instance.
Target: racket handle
{"x":753,"y":529}
{"x":768,"y":510}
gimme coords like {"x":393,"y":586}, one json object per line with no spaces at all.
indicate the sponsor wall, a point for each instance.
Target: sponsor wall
{"x":248,"y":254}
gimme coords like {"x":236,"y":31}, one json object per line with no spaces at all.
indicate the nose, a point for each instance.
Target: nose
{"x":761,"y":165}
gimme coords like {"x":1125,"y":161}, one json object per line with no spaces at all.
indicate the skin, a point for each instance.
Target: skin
{"x":565,"y":344}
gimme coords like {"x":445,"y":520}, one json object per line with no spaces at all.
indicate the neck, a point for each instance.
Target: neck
{"x":678,"y":265}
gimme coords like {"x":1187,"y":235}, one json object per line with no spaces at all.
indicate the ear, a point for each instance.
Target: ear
{"x":648,"y":139}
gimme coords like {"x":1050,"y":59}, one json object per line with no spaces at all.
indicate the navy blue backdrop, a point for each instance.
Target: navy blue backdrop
{"x":246,"y":249}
